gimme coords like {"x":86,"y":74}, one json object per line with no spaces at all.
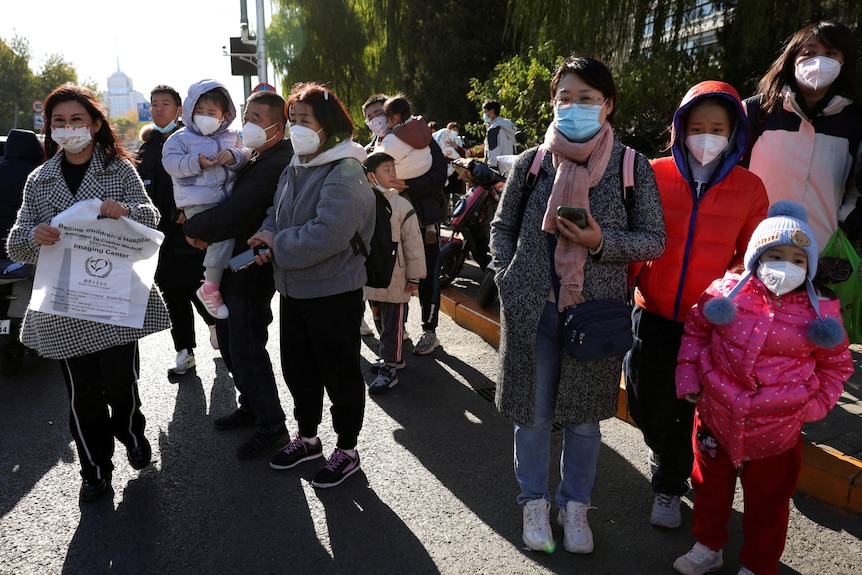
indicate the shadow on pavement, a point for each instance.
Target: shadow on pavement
{"x":33,"y":404}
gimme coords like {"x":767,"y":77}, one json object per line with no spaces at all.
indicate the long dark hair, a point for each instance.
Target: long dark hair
{"x":831,"y":34}
{"x":328,"y":110}
{"x":106,"y":137}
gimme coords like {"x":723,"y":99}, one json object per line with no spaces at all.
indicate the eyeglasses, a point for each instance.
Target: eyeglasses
{"x":833,"y":270}
{"x":580,"y":101}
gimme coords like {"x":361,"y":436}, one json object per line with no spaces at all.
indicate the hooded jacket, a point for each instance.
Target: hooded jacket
{"x":23,"y":152}
{"x":499,"y":140}
{"x":408,"y":144}
{"x":708,"y":233}
{"x":319,"y":205}
{"x":760,"y":375}
{"x":194,"y":185}
{"x":811,"y":160}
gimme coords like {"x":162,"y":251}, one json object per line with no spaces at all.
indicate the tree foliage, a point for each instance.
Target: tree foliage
{"x":362,"y":47}
{"x":20,"y":86}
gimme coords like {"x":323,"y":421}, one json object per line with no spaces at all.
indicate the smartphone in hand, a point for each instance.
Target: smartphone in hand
{"x":577,"y":216}
{"x":246,"y":258}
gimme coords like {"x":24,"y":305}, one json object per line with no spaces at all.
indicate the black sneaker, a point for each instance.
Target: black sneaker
{"x":375,"y":367}
{"x":239,"y":418}
{"x":93,"y":489}
{"x":387,"y":378}
{"x":295,"y":453}
{"x":139,"y":457}
{"x":339,"y":467}
{"x":261,"y":444}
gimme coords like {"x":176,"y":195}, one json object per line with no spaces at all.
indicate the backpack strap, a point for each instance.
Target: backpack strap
{"x":627,"y":171}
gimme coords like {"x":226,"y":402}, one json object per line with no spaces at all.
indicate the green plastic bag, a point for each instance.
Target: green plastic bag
{"x":838,"y":271}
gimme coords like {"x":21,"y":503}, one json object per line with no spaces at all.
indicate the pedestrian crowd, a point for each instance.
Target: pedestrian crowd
{"x":735,"y":339}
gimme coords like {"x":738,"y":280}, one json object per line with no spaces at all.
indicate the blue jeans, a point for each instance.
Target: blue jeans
{"x":581,"y":442}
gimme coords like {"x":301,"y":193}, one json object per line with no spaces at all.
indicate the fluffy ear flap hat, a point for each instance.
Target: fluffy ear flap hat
{"x":786,"y":223}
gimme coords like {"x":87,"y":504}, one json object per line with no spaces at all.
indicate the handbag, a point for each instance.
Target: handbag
{"x":838,"y":271}
{"x":597,"y":329}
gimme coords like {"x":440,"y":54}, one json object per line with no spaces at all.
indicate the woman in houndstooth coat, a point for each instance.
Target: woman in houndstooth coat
{"x":99,"y":361}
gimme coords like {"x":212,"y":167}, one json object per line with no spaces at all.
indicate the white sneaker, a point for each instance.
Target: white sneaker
{"x":365,"y":329}
{"x":213,"y":337}
{"x":185,"y":361}
{"x":578,"y":535}
{"x":701,"y":559}
{"x":427,"y":343}
{"x":537,"y":525}
{"x":665,"y":511}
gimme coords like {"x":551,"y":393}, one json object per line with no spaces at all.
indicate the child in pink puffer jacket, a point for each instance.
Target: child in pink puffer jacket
{"x":761,"y":355}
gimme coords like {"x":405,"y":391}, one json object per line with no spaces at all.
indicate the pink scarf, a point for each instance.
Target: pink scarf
{"x":579,"y":166}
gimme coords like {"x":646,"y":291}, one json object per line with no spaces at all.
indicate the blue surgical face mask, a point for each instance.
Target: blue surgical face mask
{"x":486,"y":118}
{"x":167,"y":129}
{"x":578,"y":123}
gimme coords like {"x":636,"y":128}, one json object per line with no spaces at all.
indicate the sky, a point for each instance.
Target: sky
{"x":175,"y":42}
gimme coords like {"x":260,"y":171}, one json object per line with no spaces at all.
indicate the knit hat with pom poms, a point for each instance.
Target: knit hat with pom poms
{"x":786,"y":223}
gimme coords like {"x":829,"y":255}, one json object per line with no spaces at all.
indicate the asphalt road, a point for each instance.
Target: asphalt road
{"x":436,"y":493}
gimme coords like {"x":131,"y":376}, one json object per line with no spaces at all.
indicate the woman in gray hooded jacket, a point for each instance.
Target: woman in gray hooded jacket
{"x":322,"y":201}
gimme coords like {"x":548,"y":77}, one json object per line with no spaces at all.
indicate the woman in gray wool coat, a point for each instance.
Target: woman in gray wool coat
{"x":539,"y":382}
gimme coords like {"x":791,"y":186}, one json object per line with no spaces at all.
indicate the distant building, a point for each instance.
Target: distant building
{"x":121,"y":97}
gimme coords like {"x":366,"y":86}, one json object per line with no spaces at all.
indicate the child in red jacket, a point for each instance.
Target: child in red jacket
{"x":711,"y":207}
{"x":762,"y":354}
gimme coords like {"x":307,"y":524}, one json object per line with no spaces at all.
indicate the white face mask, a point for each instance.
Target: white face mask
{"x":253,"y":136}
{"x":706,"y":147}
{"x":305,"y":140}
{"x":206,"y":124}
{"x":781,"y":277}
{"x":817,"y":72}
{"x":378,"y":126}
{"x":73,"y":139}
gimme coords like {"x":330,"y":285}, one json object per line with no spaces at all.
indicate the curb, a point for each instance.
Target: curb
{"x":826,"y":474}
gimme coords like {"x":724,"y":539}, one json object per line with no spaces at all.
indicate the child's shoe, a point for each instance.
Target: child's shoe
{"x":387,"y":378}
{"x":701,"y":559}
{"x":665,"y":511}
{"x":211,"y":298}
{"x":339,"y":467}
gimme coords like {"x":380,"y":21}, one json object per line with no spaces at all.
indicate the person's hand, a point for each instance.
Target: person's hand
{"x":692,"y":397}
{"x":114,"y":209}
{"x":199,"y":244}
{"x":262,"y":237}
{"x":399,"y":185}
{"x":206,"y":162}
{"x":45,"y":235}
{"x":225,"y":157}
{"x":411,"y":286}
{"x":590,"y":236}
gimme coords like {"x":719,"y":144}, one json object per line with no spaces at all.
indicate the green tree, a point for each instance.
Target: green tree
{"x":521,"y":85}
{"x":55,"y":72}
{"x":361,"y":47}
{"x":16,"y":81}
{"x":320,"y":41}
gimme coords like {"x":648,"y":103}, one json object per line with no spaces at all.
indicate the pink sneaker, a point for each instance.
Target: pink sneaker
{"x":213,"y":302}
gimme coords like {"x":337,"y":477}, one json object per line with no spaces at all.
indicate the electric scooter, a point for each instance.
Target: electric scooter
{"x":470,"y":223}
